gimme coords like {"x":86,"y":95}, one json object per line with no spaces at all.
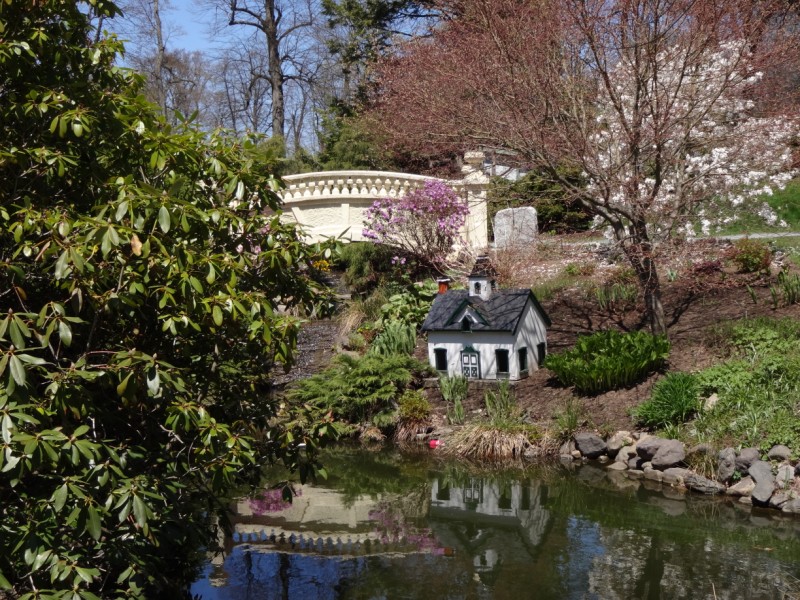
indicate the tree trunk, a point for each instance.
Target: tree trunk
{"x":639,"y":250}
{"x":158,"y":67}
{"x":275,"y":68}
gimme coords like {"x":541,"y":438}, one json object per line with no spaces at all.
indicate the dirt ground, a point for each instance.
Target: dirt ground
{"x":697,"y":295}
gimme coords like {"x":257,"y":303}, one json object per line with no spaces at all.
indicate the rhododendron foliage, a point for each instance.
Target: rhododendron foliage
{"x":425,"y":223}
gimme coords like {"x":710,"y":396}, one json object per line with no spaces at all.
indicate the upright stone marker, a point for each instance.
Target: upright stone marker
{"x":515,"y":227}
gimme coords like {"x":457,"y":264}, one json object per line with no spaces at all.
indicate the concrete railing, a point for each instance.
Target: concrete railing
{"x":332,"y":203}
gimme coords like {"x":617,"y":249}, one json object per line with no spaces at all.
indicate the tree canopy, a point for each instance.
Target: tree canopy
{"x":142,"y":266}
{"x":664,"y":107}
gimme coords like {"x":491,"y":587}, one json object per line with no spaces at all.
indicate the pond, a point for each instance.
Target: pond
{"x":392,"y":525}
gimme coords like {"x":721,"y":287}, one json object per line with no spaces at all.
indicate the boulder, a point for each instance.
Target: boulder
{"x":625,"y":453}
{"x":647,"y":447}
{"x":515,"y":227}
{"x":785,"y":476}
{"x":742,"y":488}
{"x":746,"y":458}
{"x":653,"y":474}
{"x":617,"y":466}
{"x":618,"y":441}
{"x":779,"y":453}
{"x":703,"y":485}
{"x":710,"y":402}
{"x":792,"y":506}
{"x":590,"y":444}
{"x":778,"y":499}
{"x":576,"y":454}
{"x":675,"y":475}
{"x":669,"y":454}
{"x":635,"y":462}
{"x":761,"y":472}
{"x":726,"y":466}
{"x":567,"y":448}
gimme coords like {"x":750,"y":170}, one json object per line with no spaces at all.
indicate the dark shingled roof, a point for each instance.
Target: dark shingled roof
{"x":501,"y":312}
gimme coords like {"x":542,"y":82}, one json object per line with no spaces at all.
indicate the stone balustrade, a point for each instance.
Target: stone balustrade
{"x":332,"y":203}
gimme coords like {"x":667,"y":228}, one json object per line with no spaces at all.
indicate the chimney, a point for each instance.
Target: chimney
{"x":444,"y":284}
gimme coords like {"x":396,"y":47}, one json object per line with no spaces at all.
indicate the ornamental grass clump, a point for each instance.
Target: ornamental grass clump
{"x":675,"y":399}
{"x":609,"y":360}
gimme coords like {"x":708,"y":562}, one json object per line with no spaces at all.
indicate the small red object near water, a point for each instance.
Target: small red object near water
{"x":434,"y":444}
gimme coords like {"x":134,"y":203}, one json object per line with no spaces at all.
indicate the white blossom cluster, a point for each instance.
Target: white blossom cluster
{"x":678,"y":138}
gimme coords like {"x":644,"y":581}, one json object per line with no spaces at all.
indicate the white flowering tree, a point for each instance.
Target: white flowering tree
{"x":661,"y":104}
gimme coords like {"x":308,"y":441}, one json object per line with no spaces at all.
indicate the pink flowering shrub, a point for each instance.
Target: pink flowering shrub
{"x":424,"y":224}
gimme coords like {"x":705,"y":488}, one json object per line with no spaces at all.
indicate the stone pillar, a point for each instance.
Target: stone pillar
{"x":475,"y":185}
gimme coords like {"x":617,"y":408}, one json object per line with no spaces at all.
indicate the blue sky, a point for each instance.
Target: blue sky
{"x":187,"y":25}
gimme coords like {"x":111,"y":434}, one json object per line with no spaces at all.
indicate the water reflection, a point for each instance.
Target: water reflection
{"x":420,"y":529}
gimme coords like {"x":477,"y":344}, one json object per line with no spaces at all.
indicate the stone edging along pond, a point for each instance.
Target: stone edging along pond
{"x":769,"y":481}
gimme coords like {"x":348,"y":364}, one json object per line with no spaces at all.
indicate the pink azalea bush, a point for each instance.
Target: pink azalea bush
{"x":424,"y":224}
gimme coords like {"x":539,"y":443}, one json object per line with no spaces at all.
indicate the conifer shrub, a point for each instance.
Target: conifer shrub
{"x":609,"y":360}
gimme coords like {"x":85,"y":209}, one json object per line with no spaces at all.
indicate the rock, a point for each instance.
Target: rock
{"x":779,"y":453}
{"x":726,"y":466}
{"x":778,"y":499}
{"x":669,"y":454}
{"x":742,"y":488}
{"x":746,"y":500}
{"x":675,"y":475}
{"x":635,"y":462}
{"x":792,"y":506}
{"x":634,"y":473}
{"x":617,"y":466}
{"x":710,"y":402}
{"x":515,"y":227}
{"x":746,"y":458}
{"x":653,"y":474}
{"x":699,"y":450}
{"x":626,"y":453}
{"x":576,"y":454}
{"x":618,"y":441}
{"x":785,"y":476}
{"x":603,"y":459}
{"x":567,"y":447}
{"x":647,"y":448}
{"x":761,"y":472}
{"x":703,"y":485}
{"x":590,"y":444}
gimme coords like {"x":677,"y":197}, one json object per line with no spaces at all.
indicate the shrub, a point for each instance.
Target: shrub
{"x":751,"y":256}
{"x":673,"y":401}
{"x":359,"y":390}
{"x":411,"y":305}
{"x":365,"y":265}
{"x":413,"y":405}
{"x":397,"y":337}
{"x":609,"y":360}
{"x":424,"y":223}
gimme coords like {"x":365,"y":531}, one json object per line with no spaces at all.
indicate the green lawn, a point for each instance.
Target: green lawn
{"x":785,"y":203}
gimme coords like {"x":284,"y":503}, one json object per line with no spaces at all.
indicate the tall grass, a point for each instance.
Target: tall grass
{"x":454,"y":391}
{"x":673,"y":401}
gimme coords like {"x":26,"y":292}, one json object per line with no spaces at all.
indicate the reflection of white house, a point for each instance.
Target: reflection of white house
{"x":491,"y":507}
{"x":485,"y":333}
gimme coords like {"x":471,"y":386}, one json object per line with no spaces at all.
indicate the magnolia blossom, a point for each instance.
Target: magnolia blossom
{"x":714,"y":150}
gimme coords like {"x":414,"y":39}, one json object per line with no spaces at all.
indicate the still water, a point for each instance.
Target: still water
{"x":391,"y":525}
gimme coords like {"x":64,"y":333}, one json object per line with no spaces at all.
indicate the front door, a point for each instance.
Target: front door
{"x":471,"y":365}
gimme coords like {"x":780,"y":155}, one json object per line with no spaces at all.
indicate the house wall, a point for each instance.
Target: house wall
{"x":531,"y":332}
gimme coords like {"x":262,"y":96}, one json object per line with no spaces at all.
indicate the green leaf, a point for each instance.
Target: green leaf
{"x":216,"y":314}
{"x":62,"y":265}
{"x":17,"y":370}
{"x":139,"y":511}
{"x":123,"y":385}
{"x":60,"y":498}
{"x":164,"y":220}
{"x":65,"y":333}
{"x":93,"y":525}
{"x":4,"y":583}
